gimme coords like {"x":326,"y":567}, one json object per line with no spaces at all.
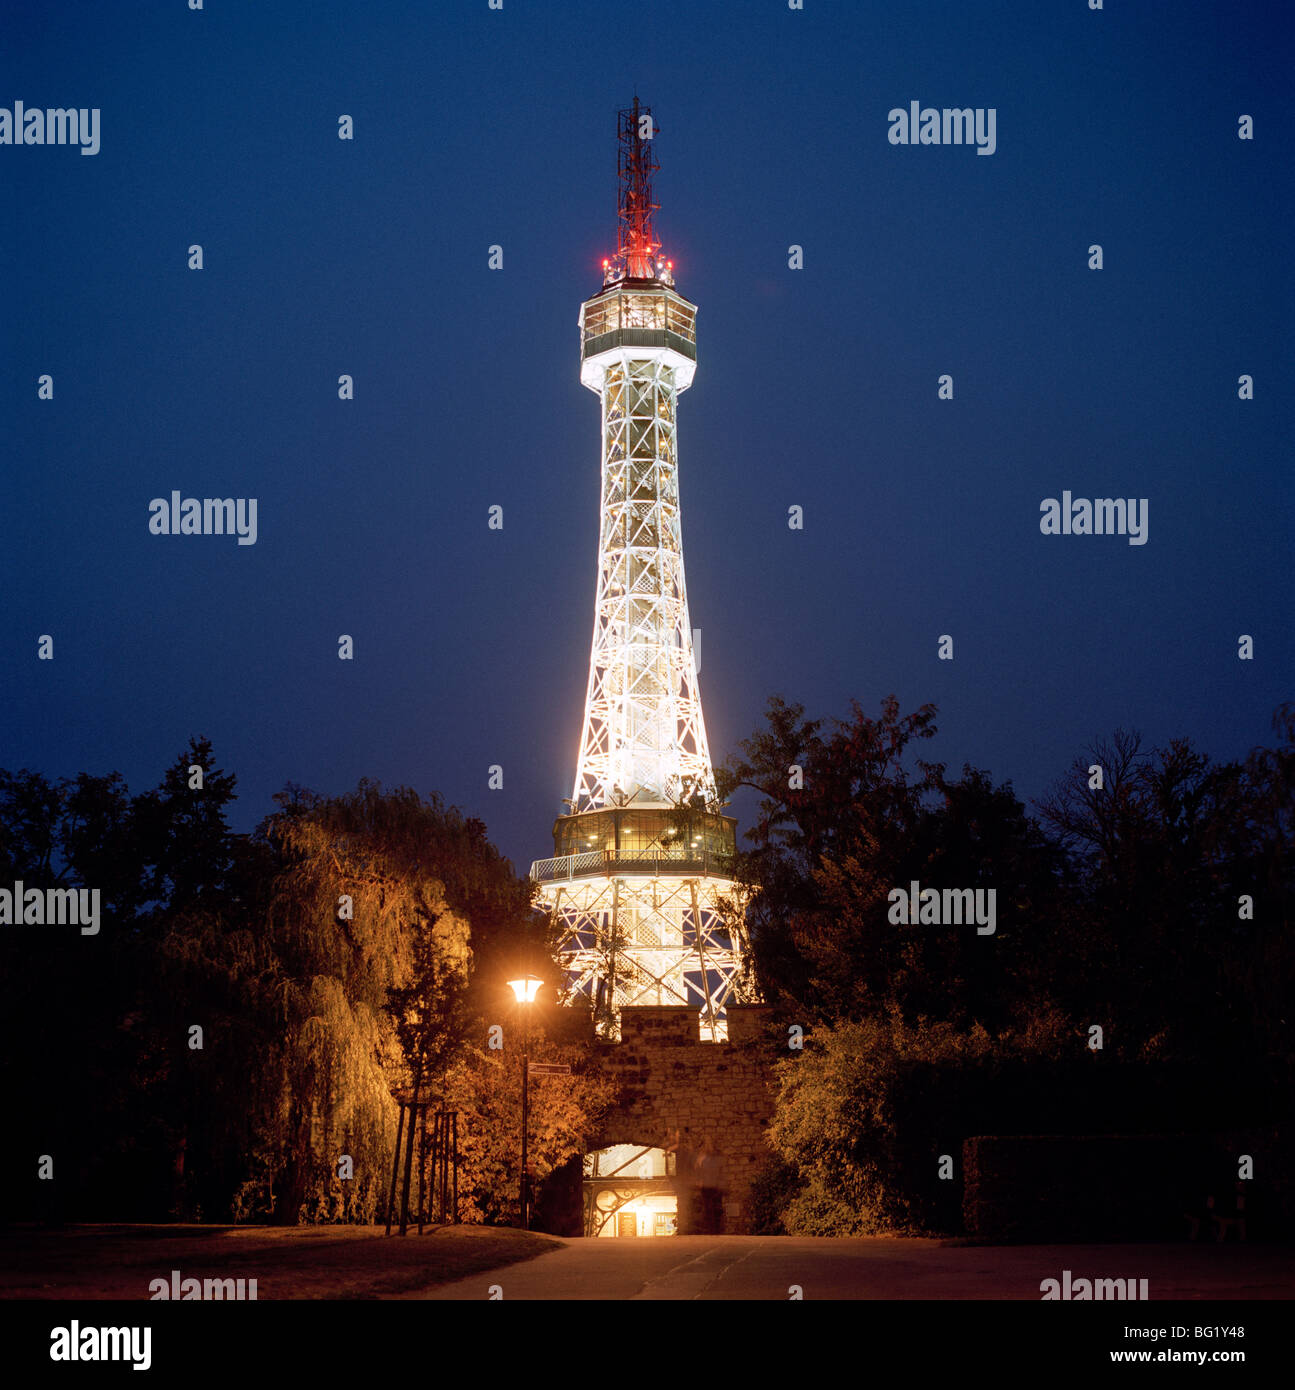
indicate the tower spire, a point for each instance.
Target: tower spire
{"x":636,"y":243}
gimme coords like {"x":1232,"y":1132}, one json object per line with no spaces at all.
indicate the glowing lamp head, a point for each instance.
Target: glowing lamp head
{"x":526,"y":988}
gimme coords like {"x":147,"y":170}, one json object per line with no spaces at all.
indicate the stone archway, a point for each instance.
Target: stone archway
{"x":704,"y":1105}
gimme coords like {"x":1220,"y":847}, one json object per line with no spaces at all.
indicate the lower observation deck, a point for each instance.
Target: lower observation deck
{"x":644,"y":841}
{"x":645,"y":908}
{"x":611,"y":863}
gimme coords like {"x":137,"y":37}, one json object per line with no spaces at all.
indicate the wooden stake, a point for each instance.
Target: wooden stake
{"x":409,"y":1161}
{"x":422,"y":1168}
{"x":395,"y":1167}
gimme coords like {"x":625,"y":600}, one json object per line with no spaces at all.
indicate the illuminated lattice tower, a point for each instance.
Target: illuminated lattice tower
{"x":644,"y":860}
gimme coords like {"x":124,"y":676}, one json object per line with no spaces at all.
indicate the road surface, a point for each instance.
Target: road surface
{"x":773,"y":1267}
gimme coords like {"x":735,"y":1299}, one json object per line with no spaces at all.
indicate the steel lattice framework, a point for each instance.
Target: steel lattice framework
{"x":644,"y":734}
{"x":640,"y":888}
{"x":656,"y":938}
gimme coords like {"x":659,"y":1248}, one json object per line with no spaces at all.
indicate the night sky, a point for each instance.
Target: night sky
{"x":815,"y":387}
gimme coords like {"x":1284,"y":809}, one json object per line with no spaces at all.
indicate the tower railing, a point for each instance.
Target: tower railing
{"x":640,"y":337}
{"x":597,"y":863}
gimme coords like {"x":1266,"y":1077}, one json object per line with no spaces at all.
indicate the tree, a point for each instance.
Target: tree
{"x":847,"y":815}
{"x":115,"y":1013}
{"x":183,"y":834}
{"x":845,"y":797}
{"x":1165,"y":851}
{"x":251,"y":1003}
{"x":358,"y":908}
{"x":484,"y":1086}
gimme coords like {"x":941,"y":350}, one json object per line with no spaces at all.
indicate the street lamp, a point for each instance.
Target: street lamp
{"x":525,"y":990}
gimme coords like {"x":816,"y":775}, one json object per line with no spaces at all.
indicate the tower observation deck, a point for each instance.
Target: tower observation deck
{"x":640,"y":887}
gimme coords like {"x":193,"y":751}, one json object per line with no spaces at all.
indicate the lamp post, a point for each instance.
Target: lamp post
{"x":525,"y":990}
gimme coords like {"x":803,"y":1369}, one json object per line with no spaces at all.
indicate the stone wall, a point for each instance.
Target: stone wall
{"x":709,"y":1103}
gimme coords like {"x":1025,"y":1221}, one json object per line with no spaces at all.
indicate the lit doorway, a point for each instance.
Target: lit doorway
{"x":629,"y":1190}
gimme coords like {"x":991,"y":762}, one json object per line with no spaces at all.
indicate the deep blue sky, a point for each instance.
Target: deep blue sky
{"x":815,"y":387}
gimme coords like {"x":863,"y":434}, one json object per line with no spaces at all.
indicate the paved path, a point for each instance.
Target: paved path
{"x":766,"y":1267}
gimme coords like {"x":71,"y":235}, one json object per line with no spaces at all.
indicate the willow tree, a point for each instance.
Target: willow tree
{"x":360,"y":910}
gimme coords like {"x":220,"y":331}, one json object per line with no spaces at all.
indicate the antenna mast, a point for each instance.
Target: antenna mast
{"x":636,"y":243}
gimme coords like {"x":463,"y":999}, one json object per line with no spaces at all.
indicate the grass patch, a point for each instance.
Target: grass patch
{"x":113,"y":1261}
